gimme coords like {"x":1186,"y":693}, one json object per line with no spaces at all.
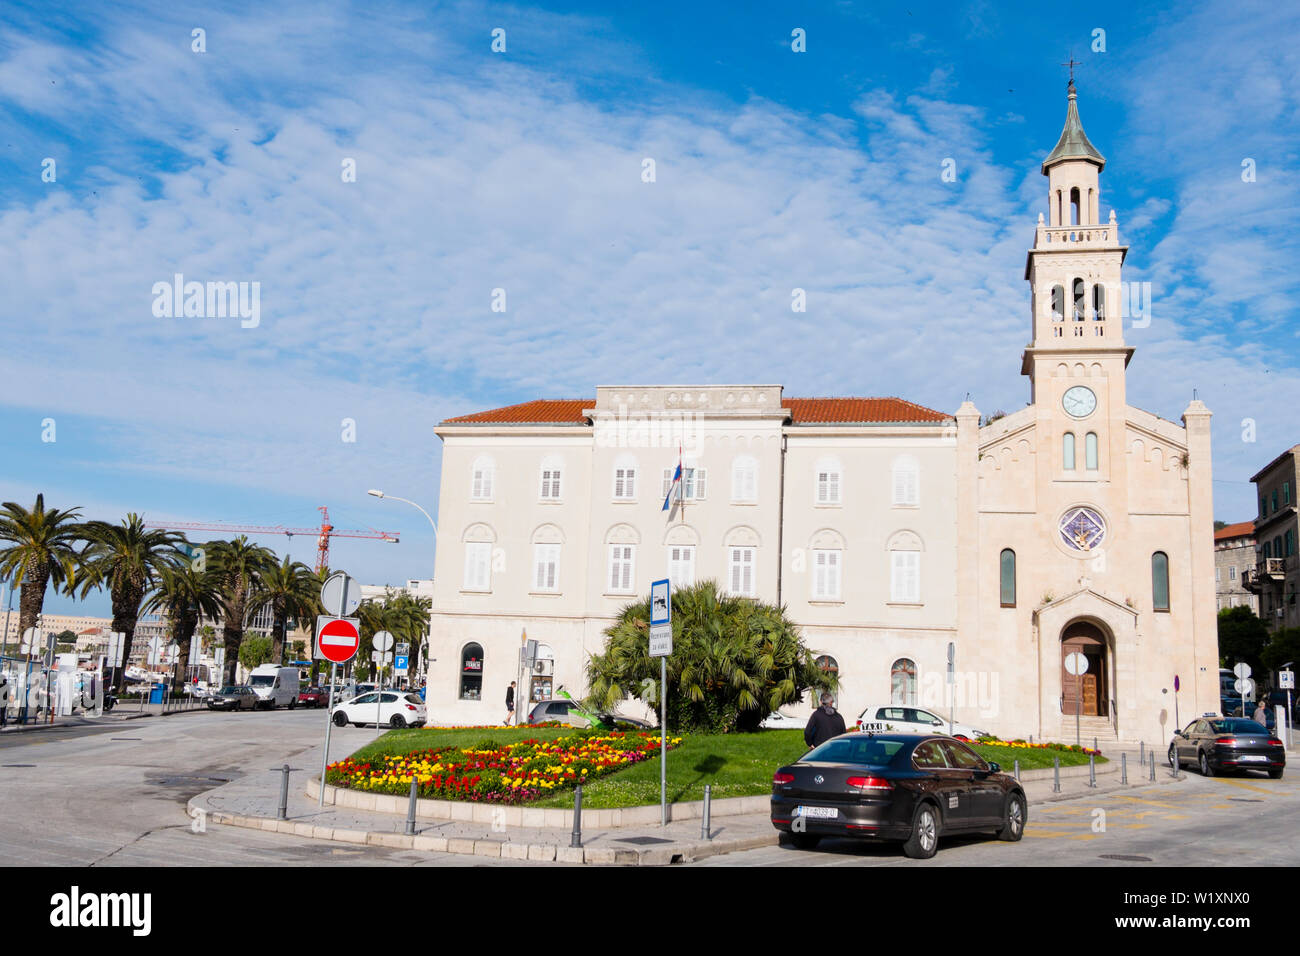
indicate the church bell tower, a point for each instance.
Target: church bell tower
{"x":1074,"y":271}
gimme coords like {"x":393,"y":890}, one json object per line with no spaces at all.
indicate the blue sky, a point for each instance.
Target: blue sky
{"x":521,"y":170}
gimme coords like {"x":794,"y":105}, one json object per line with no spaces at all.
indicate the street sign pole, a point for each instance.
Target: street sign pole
{"x":1177,"y":720}
{"x":343,"y":610}
{"x":661,"y":646}
{"x":329,"y":722}
{"x":952,"y":687}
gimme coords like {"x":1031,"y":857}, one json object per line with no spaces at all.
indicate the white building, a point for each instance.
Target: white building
{"x":1078,"y":525}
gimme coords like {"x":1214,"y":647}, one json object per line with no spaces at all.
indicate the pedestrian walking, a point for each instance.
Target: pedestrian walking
{"x":510,"y":702}
{"x":1261,"y":715}
{"x":824,"y":723}
{"x":4,"y":699}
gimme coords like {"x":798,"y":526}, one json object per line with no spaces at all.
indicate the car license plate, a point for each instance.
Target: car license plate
{"x":1253,"y":757}
{"x":821,"y":813}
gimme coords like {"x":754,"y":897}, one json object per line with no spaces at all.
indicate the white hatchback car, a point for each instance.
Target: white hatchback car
{"x":397,"y":709}
{"x":914,"y":720}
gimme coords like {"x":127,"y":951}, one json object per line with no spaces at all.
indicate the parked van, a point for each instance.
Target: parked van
{"x":275,"y":686}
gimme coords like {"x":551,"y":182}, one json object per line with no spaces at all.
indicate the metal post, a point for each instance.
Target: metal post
{"x":663,"y":741}
{"x":410,"y":810}
{"x":283,"y":812}
{"x":1056,"y":775}
{"x":1153,"y":766}
{"x":1078,"y":709}
{"x":575,"y":840}
{"x":1142,"y":752}
{"x":704,"y":821}
{"x":1176,"y":763}
{"x":1092,"y":770}
{"x":329,"y":722}
{"x":1017,"y":767}
{"x":1123,"y":768}
{"x":1094,"y":743}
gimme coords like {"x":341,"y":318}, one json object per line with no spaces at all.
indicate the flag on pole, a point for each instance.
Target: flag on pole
{"x":674,"y":489}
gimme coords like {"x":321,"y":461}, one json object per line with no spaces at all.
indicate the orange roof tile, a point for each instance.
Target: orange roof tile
{"x":803,"y":411}
{"x":817,"y":411}
{"x":1242,"y":529}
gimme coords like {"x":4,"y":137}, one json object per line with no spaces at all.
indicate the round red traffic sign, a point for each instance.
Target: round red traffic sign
{"x":338,"y":640}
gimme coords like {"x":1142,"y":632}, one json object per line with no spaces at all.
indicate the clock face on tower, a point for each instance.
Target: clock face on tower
{"x":1079,"y":402}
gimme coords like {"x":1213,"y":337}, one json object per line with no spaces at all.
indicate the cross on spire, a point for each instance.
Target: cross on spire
{"x":1072,"y":63}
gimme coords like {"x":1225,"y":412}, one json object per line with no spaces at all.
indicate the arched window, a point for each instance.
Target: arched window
{"x":1058,"y":303}
{"x":471,"y":672}
{"x":1099,"y":302}
{"x":1090,"y":451}
{"x":902,"y":682}
{"x":744,"y":479}
{"x":1160,"y":581}
{"x":1007,"y":570}
{"x":1074,"y":207}
{"x":482,"y":479}
{"x":1080,"y":301}
{"x":1067,"y":451}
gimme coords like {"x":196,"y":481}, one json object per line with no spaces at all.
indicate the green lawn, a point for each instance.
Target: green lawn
{"x":737,"y":765}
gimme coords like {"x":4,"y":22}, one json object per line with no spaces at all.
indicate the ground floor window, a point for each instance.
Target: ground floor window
{"x":902,"y":682}
{"x":471,"y":672}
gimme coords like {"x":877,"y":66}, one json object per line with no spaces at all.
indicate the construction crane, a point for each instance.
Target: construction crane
{"x":323,"y":533}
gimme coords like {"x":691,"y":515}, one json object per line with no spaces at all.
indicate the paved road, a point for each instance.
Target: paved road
{"x":115,"y":794}
{"x":1237,"y":821}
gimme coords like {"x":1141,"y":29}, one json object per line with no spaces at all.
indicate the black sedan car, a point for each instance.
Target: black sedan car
{"x":884,"y":786}
{"x":233,"y":697}
{"x":1216,"y":744}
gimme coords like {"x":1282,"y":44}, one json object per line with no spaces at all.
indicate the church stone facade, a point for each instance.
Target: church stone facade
{"x":1075,"y":531}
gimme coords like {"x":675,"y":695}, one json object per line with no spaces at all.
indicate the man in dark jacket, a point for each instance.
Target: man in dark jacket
{"x":824,"y":724}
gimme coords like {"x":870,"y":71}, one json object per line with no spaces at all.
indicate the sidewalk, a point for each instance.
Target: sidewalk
{"x":253,"y":801}
{"x":123,"y":711}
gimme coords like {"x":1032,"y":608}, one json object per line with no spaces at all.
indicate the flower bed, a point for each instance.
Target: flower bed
{"x":1021,"y":744}
{"x":506,"y":773}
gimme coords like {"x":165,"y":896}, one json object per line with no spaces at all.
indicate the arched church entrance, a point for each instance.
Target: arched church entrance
{"x":1090,"y":690}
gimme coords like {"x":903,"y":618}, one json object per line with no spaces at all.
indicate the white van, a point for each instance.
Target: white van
{"x":275,"y":686}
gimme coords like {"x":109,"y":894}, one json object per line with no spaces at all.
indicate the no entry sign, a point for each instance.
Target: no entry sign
{"x":337,"y":638}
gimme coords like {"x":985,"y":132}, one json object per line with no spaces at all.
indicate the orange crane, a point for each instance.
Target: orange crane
{"x":323,"y":533}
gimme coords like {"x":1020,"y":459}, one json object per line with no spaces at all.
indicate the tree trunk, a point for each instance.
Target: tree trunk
{"x":232,"y":637}
{"x":183,"y":633}
{"x":31,"y":599}
{"x":277,"y":638}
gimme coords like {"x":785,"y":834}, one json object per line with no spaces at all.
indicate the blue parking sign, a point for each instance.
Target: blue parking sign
{"x":399,"y":663}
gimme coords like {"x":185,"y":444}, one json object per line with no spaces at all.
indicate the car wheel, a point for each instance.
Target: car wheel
{"x":924,"y":841}
{"x":1276,"y":774}
{"x":396,"y":722}
{"x":1206,"y":769}
{"x":1013,"y":819}
{"x":1173,"y":757}
{"x":801,"y":841}
{"x":340,"y":719}
{"x":293,"y":704}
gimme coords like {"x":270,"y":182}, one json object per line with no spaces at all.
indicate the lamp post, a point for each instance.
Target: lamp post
{"x":375,"y":492}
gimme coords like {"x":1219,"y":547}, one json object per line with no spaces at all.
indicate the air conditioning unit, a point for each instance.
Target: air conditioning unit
{"x":543,"y":667}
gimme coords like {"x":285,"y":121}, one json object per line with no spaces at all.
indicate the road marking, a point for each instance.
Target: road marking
{"x":1246,"y":786}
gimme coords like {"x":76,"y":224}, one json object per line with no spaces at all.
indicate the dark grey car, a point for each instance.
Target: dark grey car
{"x":233,"y":697}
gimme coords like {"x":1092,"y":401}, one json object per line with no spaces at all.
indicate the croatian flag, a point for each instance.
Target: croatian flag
{"x":675,"y":489}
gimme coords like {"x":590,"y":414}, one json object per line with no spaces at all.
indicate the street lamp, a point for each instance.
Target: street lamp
{"x":375,"y":492}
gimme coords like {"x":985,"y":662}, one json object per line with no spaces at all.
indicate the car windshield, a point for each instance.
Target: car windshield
{"x":1237,"y":726}
{"x":230,"y":689}
{"x":262,"y":680}
{"x":863,"y":751}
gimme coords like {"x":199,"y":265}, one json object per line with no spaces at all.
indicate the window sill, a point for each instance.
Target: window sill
{"x":913,"y":506}
{"x":482,"y":501}
{"x":746,"y":504}
{"x":550,"y":501}
{"x":826,"y":602}
{"x":545,"y":593}
{"x":475,"y":590}
{"x":1007,"y":605}
{"x":904,"y":604}
{"x":622,"y":501}
{"x":828,"y":504}
{"x":619,"y":594}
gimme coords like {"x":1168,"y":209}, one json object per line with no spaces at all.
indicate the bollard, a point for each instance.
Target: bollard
{"x":1092,"y":770}
{"x":1177,"y":763}
{"x":1056,"y":775}
{"x":1031,"y":738}
{"x":1153,"y":766}
{"x":1142,"y":753}
{"x":283,"y":812}
{"x":410,"y":810}
{"x":575,"y":841}
{"x":1123,"y":768}
{"x":1094,"y":743}
{"x":1017,"y":765}
{"x":704,"y":822}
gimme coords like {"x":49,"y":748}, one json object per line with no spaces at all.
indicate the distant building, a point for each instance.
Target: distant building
{"x":1276,"y":573}
{"x":1234,"y":555}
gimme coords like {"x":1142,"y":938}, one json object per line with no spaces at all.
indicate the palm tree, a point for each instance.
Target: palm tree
{"x":734,"y":661}
{"x":129,"y":560}
{"x":291,"y":590}
{"x":237,"y":567}
{"x":41,"y":549}
{"x":184,"y":594}
{"x":402,"y":615}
